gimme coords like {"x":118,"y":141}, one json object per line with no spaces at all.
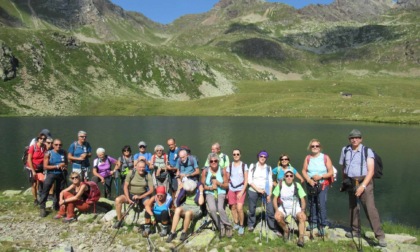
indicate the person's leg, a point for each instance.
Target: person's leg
{"x":314,"y":214}
{"x":212,"y":209}
{"x":252,"y":205}
{"x":118,"y":205}
{"x":82,"y":206}
{"x":188,"y":216}
{"x":233,"y":207}
{"x":221,"y":209}
{"x":108,"y":185}
{"x":368,"y":200}
{"x":63,"y":208}
{"x":279,"y":216}
{"x":165,"y":219}
{"x":49,"y":180}
{"x":323,"y":206}
{"x":270,"y":215}
{"x":176,"y":218}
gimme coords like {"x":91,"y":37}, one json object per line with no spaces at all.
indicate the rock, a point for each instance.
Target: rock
{"x":398,"y":238}
{"x":86,"y":217}
{"x":11,"y":193}
{"x":28,"y":192}
{"x":6,"y":238}
{"x":64,"y":247}
{"x":109,"y":216}
{"x":8,"y":62}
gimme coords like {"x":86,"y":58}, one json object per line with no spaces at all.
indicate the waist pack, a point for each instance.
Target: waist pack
{"x":313,"y":190}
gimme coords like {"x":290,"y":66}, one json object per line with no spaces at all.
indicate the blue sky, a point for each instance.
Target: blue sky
{"x":166,"y":11}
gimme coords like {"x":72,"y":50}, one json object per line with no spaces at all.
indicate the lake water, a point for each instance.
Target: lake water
{"x":398,"y":145}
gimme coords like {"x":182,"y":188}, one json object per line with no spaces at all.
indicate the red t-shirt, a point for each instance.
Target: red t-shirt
{"x":37,"y":155}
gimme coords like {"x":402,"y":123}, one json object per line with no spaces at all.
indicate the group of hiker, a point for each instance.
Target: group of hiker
{"x":170,"y":186}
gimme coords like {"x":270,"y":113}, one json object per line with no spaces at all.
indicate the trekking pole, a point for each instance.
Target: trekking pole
{"x":262,"y":210}
{"x":266,"y":227}
{"x":311,"y":217}
{"x":291,"y":219}
{"x":121,"y":221}
{"x":359,"y":222}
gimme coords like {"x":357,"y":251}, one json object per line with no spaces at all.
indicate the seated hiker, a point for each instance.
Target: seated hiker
{"x":102,"y":171}
{"x":75,"y":196}
{"x":157,"y":210}
{"x":290,"y":193}
{"x":283,"y":166}
{"x":138,"y":187}
{"x":215,"y":180}
{"x":189,"y":198}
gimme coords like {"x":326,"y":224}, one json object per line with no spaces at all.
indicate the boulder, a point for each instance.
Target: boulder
{"x":11,"y":193}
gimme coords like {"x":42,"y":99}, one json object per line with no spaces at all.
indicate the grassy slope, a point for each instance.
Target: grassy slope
{"x":378,"y":100}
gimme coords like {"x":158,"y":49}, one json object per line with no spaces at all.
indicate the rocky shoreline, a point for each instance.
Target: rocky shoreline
{"x":21,"y":229}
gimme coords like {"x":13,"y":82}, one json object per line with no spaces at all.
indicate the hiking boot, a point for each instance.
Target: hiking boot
{"x":164,"y":231}
{"x":241,"y":230}
{"x":57,"y":217}
{"x":301,"y":242}
{"x":321,"y":231}
{"x":183,"y":236}
{"x":171,"y":237}
{"x":286,"y":236}
{"x":42,"y":212}
{"x":146,"y":231}
{"x":229,"y":232}
{"x":222,"y":232}
{"x":68,"y":220}
{"x":352,"y":234}
{"x":277,"y":233}
{"x":36,"y":202}
{"x":251,"y":229}
{"x":236,"y":227}
{"x":382,"y":242}
{"x":117,"y":225}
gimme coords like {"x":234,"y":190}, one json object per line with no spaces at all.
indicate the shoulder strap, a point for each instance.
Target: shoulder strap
{"x":165,"y":158}
{"x":308,"y":158}
{"x":133,"y":173}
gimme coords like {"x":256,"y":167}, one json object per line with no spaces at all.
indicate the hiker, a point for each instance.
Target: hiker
{"x":260,"y":187}
{"x":158,"y":164}
{"x":102,"y":171}
{"x":157,"y":210}
{"x":284,"y":165}
{"x":34,"y":165}
{"x":74,"y":196}
{"x":125,"y":163}
{"x":138,"y":187}
{"x":45,"y":132}
{"x":187,"y":167}
{"x":237,"y":173}
{"x":55,"y":165}
{"x":189,"y":198}
{"x":292,"y":202}
{"x":360,"y":168}
{"x":171,"y":166}
{"x":317,"y":171}
{"x":224,"y":159}
{"x":143,"y":155}
{"x":79,"y":153}
{"x":49,"y":146}
{"x":215,"y":181}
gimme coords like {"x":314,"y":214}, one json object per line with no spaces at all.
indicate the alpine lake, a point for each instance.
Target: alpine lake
{"x":398,"y":146}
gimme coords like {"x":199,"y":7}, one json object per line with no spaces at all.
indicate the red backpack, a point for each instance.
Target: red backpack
{"x":94,"y":192}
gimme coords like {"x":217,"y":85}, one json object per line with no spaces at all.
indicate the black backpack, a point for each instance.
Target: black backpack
{"x":378,"y":165}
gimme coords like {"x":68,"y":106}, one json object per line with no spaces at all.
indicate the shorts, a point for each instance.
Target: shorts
{"x":289,"y":211}
{"x":141,"y":201}
{"x":233,"y":199}
{"x":195,"y":209}
{"x":38,"y":175}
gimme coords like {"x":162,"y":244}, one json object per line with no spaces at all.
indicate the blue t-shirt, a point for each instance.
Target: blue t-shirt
{"x":188,"y":167}
{"x":279,"y":172}
{"x":173,"y":157}
{"x":148,"y":157}
{"x":77,"y":150}
{"x":56,"y":158}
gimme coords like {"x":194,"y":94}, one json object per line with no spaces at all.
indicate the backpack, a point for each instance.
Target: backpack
{"x":94,"y":192}
{"x":378,"y":165}
{"x":230,"y":174}
{"x":329,"y":180}
{"x":25,"y":155}
{"x":165,"y":158}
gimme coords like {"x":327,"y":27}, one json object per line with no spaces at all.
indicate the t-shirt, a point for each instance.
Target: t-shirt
{"x":77,"y":150}
{"x":287,"y":194}
{"x":138,"y":184}
{"x":188,"y":167}
{"x":173,"y":157}
{"x":104,"y":166}
{"x":237,"y":176}
{"x":317,"y":166}
{"x":37,"y":155}
{"x":279,"y":172}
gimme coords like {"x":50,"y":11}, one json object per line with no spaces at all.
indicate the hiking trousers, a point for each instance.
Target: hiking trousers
{"x":318,"y":213}
{"x":253,"y":198}
{"x":60,"y":183}
{"x":211,"y":204}
{"x":68,"y":208}
{"x":367,"y":200}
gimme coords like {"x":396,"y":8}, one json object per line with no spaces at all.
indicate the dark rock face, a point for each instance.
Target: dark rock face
{"x":257,"y":48}
{"x":8,"y":63}
{"x":6,"y":19}
{"x":68,"y":41}
{"x":342,"y":10}
{"x":408,"y":4}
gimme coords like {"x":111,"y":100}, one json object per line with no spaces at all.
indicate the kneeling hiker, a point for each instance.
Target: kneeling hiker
{"x":188,"y":202}
{"x":157,"y":209}
{"x":138,"y":187}
{"x":290,"y":192}
{"x":78,"y":195}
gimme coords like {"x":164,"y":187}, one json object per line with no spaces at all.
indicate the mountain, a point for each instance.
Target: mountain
{"x":57,"y":57}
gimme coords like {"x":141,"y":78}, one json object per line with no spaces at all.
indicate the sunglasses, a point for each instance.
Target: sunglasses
{"x":288,"y":176}
{"x":159,"y":150}
{"x":284,"y":159}
{"x":214,"y":161}
{"x":236,"y":154}
{"x":74,"y":177}
{"x":127,"y":150}
{"x":48,"y":142}
{"x":83,"y":136}
{"x":263,"y":157}
{"x":58,"y":145}
{"x":315,"y":146}
{"x":142,"y":146}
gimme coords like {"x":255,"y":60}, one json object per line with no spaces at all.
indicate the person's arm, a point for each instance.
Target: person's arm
{"x":245,"y":184}
{"x":298,"y":176}
{"x":303,"y":203}
{"x":251,"y":182}
{"x":149,"y":206}
{"x":225,"y":184}
{"x":95,"y":173}
{"x":29,"y":160}
{"x":68,"y":189}
{"x":78,"y":195}
{"x":195,"y":173}
{"x":201,"y":197}
{"x":126,"y":191}
{"x":117,"y":166}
